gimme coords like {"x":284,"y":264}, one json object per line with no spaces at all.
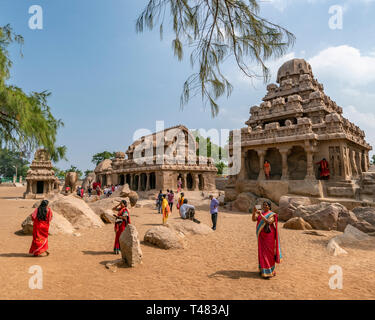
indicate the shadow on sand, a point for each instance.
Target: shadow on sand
{"x":97,"y":253}
{"x":22,"y":234}
{"x":16,"y":255}
{"x":235,"y":274}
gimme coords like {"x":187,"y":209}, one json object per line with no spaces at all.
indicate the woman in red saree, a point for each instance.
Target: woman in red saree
{"x":269,"y":251}
{"x":41,"y":217}
{"x":122,"y":220}
{"x":323,"y":169}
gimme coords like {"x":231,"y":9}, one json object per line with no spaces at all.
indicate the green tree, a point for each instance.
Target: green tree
{"x":373,"y":159}
{"x":99,"y":157}
{"x":59,"y":173}
{"x":74,"y":169}
{"x":220,"y":167}
{"x":216,"y":30}
{"x":11,"y":159}
{"x":87,"y":172}
{"x":209,"y":148}
{"x":26,"y":121}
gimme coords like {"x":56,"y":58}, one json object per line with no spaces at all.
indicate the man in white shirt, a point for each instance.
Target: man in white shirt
{"x":186,"y":210}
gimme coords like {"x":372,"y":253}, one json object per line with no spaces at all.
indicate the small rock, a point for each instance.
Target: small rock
{"x":297,"y":223}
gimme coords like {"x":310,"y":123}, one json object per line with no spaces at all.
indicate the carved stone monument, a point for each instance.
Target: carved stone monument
{"x":41,"y":179}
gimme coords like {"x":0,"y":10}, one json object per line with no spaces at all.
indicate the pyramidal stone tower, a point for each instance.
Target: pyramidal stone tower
{"x":296,"y":126}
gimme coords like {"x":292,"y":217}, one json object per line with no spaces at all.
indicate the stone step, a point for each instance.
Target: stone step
{"x":343,"y":192}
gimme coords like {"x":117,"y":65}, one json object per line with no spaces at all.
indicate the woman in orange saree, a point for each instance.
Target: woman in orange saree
{"x":122,"y":220}
{"x":267,"y":169}
{"x":269,"y":251}
{"x":41,"y":217}
{"x":166,"y":209}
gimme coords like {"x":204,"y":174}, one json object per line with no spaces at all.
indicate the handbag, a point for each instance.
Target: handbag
{"x":267,"y":228}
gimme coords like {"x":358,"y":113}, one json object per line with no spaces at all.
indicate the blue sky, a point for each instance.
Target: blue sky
{"x":107,"y":81}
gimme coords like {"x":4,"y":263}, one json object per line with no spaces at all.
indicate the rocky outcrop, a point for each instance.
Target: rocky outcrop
{"x":58,"y":225}
{"x":77,"y":212}
{"x":288,"y":205}
{"x":350,"y":236}
{"x":165,"y":238}
{"x":190,"y":227}
{"x":125,"y":192}
{"x":367,"y":214}
{"x":244,"y":201}
{"x":102,"y":206}
{"x":130,"y":246}
{"x":107,"y":216}
{"x":331,"y":216}
{"x":297,"y":224}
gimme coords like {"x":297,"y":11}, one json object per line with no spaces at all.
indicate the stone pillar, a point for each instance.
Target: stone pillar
{"x":139,"y":182}
{"x":184,"y":186}
{"x":242,"y":173}
{"x":353,"y":163}
{"x":359,"y":163}
{"x":109,"y":179}
{"x":131,"y":181}
{"x":196,"y":182}
{"x":284,"y":155}
{"x":28,"y":187}
{"x":261,"y":155}
{"x":365,"y":162}
{"x":310,"y":175}
{"x":148,"y":181}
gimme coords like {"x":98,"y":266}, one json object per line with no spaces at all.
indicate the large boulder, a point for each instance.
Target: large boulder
{"x":350,"y":236}
{"x":58,"y":225}
{"x":27,"y":225}
{"x":125,"y":192}
{"x":130,"y":246}
{"x":77,"y":212}
{"x":244,"y":202}
{"x":288,"y":205}
{"x":297,"y":224}
{"x":107,"y":216}
{"x":230,"y":195}
{"x":190,"y":227}
{"x":165,"y":238}
{"x":367,"y":214}
{"x":331,"y":216}
{"x":274,"y":207}
{"x":102,"y":206}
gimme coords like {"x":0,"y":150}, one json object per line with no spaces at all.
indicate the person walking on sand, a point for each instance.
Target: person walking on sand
{"x":170,"y":199}
{"x":159,"y":200}
{"x":214,"y":205}
{"x":179,"y":185}
{"x":122,"y":220}
{"x":165,"y":209}
{"x":41,"y":217}
{"x":267,"y":169}
{"x":180,"y":201}
{"x":269,"y":251}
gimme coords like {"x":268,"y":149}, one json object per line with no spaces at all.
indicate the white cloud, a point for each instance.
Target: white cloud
{"x":344,"y":64}
{"x":364,"y":120}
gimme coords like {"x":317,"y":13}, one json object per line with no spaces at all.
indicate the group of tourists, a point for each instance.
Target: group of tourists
{"x":323,"y":169}
{"x":269,"y":252}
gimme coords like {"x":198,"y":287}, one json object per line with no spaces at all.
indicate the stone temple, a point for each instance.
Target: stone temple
{"x":41,"y":179}
{"x":158,"y":161}
{"x":296,"y":126}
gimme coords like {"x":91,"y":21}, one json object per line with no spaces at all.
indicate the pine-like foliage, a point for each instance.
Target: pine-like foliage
{"x":26,"y":121}
{"x":217,"y":30}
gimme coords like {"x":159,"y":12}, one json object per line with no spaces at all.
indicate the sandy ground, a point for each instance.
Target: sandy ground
{"x":222,"y":265}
